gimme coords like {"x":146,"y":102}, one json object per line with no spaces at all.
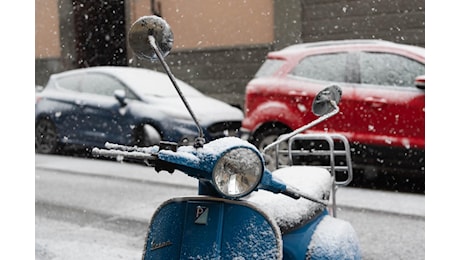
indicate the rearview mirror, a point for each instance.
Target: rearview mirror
{"x":120,"y":95}
{"x":151,"y":38}
{"x":322,"y":103}
{"x":138,"y":37}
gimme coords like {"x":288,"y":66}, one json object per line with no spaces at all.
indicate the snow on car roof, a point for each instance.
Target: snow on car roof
{"x":144,"y":81}
{"x":418,"y":50}
{"x":151,"y":82}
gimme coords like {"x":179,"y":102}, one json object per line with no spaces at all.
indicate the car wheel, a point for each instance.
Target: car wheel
{"x":46,"y":138}
{"x":266,"y":137}
{"x":147,"y":135}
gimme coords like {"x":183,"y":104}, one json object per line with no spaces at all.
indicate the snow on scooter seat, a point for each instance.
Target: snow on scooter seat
{"x":289,"y":212}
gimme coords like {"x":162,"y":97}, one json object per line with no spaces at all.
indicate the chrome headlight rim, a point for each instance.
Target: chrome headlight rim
{"x":247,"y":166}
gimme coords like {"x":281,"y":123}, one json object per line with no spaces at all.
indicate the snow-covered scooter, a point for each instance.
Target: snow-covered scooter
{"x":242,"y":210}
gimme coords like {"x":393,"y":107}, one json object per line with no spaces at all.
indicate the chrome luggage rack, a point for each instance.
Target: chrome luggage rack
{"x":334,"y":153}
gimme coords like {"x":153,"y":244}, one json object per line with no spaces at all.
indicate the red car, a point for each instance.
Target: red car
{"x":382,"y":110}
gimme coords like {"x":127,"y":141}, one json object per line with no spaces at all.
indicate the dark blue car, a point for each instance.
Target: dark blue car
{"x":125,"y":105}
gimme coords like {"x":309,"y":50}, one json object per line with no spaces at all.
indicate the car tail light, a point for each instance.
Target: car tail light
{"x":420,"y":82}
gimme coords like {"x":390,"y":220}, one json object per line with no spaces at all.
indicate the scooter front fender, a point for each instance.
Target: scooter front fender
{"x":211,"y":228}
{"x":334,"y":239}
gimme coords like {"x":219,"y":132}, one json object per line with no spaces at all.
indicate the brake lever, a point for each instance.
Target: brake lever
{"x":297,"y":194}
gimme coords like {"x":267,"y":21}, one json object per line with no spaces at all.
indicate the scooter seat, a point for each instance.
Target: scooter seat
{"x":288,"y":212}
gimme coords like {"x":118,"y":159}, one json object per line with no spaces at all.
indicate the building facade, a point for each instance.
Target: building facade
{"x":218,"y":45}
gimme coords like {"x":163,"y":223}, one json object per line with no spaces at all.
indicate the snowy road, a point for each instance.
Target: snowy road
{"x":94,"y":209}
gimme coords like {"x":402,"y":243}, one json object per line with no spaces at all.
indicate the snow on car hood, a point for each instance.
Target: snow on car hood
{"x":207,"y":110}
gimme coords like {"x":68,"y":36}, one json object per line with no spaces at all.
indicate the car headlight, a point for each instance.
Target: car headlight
{"x":238,"y":172}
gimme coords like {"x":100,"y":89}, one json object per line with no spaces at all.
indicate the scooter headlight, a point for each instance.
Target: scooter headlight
{"x":238,"y":172}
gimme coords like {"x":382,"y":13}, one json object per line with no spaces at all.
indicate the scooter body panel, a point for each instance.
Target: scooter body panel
{"x":295,"y":242}
{"x":211,"y":228}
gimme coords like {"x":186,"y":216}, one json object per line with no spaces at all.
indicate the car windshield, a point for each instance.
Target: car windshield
{"x":158,"y":85}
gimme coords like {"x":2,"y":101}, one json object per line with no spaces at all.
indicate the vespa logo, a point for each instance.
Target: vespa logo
{"x":201,"y":215}
{"x":156,"y":246}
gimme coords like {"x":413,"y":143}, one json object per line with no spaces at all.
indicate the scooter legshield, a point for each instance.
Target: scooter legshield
{"x":211,"y":228}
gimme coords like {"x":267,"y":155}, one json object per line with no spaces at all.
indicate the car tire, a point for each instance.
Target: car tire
{"x":46,"y":137}
{"x":147,"y":135}
{"x":266,"y":137}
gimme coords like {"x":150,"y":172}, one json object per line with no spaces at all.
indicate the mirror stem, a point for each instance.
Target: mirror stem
{"x":304,"y":128}
{"x":199,"y":142}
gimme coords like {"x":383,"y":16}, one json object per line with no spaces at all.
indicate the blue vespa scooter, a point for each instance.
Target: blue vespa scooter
{"x":242,"y":210}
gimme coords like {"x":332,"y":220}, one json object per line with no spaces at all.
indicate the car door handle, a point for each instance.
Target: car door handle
{"x":375,"y":102}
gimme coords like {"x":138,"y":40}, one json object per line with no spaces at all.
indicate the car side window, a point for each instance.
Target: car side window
{"x":68,"y":83}
{"x":325,"y":67}
{"x":389,"y":69}
{"x":269,"y":67}
{"x":101,"y":84}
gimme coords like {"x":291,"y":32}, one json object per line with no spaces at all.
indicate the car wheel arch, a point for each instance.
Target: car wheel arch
{"x":266,"y":134}
{"x":144,"y":129}
{"x":268,"y":126}
{"x":274,"y":111}
{"x":49,"y":140}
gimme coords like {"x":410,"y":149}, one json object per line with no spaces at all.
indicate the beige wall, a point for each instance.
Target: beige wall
{"x":46,"y":29}
{"x":138,"y":8}
{"x":210,"y":23}
{"x":196,"y":24}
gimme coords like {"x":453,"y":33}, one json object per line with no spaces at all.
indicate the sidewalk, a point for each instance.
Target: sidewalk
{"x":357,"y":198}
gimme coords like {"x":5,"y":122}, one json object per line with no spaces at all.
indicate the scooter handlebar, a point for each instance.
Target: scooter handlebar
{"x":145,"y":154}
